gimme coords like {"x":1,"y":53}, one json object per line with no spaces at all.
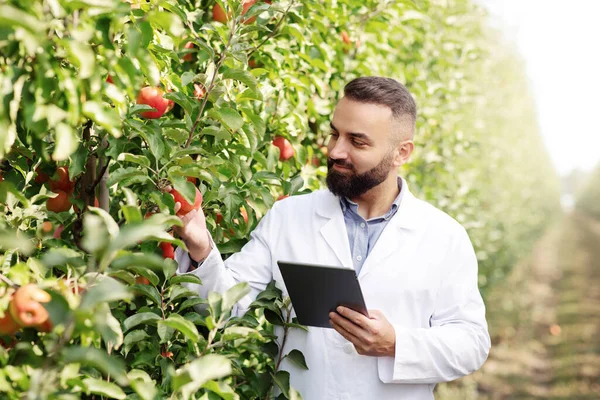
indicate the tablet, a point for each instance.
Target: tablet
{"x":316,"y":290}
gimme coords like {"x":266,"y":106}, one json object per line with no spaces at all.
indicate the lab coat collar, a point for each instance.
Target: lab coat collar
{"x":334,"y":232}
{"x":406,"y":217}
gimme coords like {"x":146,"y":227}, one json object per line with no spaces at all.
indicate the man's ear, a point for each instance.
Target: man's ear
{"x":403,"y":152}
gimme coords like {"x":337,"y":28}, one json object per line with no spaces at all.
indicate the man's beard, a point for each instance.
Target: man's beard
{"x":351,"y":184}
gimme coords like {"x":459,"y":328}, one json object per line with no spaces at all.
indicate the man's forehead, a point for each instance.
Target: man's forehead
{"x":351,"y":114}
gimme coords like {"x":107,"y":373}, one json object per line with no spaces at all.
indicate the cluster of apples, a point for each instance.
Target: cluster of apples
{"x":26,"y":310}
{"x":62,"y":186}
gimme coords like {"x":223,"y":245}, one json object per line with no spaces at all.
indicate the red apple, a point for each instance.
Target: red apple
{"x":219,"y":14}
{"x":25,"y":306}
{"x":286,"y":151}
{"x":45,"y":326}
{"x":62,"y":183}
{"x":167,"y":250}
{"x":8,"y":326}
{"x":59,"y":203}
{"x":40,"y":176}
{"x":142,"y":280}
{"x":153,"y":97}
{"x":346,"y":38}
{"x":185,"y":206}
{"x":246,"y":4}
{"x":189,"y":56}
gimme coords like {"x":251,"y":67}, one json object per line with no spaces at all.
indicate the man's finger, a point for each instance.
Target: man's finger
{"x":348,"y":325}
{"x":188,"y":217}
{"x":177,"y":207}
{"x":356,"y":317}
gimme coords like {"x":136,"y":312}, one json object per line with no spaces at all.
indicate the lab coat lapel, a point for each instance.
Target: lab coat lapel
{"x":397,"y":232}
{"x":333,"y":230}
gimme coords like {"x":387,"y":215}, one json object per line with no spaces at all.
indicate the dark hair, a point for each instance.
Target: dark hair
{"x":387,"y":92}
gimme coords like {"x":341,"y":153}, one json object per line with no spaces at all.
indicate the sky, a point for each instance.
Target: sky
{"x":560,"y":43}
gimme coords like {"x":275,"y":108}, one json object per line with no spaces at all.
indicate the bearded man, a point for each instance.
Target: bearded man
{"x":415,"y":264}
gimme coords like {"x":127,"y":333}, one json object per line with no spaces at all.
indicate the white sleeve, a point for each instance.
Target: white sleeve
{"x":253,"y":264}
{"x":457,"y":342}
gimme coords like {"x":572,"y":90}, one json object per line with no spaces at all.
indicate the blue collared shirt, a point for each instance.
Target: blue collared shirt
{"x":363,"y":234}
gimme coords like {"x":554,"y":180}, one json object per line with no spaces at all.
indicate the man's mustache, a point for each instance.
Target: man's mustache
{"x":340,"y":163}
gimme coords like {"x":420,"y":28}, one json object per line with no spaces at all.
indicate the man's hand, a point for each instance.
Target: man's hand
{"x":194,"y":233}
{"x":373,"y":336}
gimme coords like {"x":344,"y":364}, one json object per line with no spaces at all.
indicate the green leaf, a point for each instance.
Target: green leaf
{"x":224,"y":391}
{"x":103,"y":388}
{"x":104,"y":116}
{"x":108,"y":326}
{"x":176,"y":321}
{"x":232,"y":246}
{"x":229,"y":117}
{"x":236,"y":332}
{"x":11,"y":17}
{"x":190,"y":378}
{"x":178,"y":292}
{"x":82,"y":56}
{"x":133,"y":158}
{"x":282,"y":380}
{"x":188,"y":278}
{"x":147,"y":318}
{"x":242,"y":76}
{"x":134,"y":261}
{"x":11,"y":240}
{"x":149,"y":291}
{"x":133,"y":337}
{"x":8,"y":187}
{"x":233,"y":295}
{"x":106,"y":291}
{"x":164,"y":332}
{"x":145,"y":389}
{"x":185,"y":188}
{"x":155,"y":142}
{"x":146,"y":273}
{"x":123,"y":173}
{"x":153,"y":228}
{"x":96,"y":358}
{"x":67,"y":142}
{"x":182,"y":100}
{"x":297,"y":358}
{"x":194,"y":301}
{"x":132,"y":214}
{"x":217,"y":132}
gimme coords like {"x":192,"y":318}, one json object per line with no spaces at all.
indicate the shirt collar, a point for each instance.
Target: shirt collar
{"x":346,"y":203}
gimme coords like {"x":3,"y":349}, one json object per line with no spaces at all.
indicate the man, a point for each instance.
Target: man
{"x":416,"y":265}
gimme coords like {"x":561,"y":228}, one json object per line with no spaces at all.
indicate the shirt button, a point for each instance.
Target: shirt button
{"x":359,"y":258}
{"x":362,"y":224}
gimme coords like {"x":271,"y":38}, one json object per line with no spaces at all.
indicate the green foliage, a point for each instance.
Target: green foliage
{"x":588,"y":200}
{"x":71,"y":72}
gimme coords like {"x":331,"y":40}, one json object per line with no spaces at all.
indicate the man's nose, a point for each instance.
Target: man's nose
{"x":339,"y":151}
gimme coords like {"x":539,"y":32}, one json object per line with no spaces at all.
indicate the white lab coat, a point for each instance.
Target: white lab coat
{"x":422,"y":274}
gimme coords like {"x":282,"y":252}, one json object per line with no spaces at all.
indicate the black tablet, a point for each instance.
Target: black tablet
{"x":316,"y":290}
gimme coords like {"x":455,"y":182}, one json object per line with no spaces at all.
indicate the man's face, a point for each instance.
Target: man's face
{"x":360,"y":150}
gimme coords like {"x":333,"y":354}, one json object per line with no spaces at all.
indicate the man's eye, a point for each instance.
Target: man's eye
{"x":358,"y":144}
{"x":335,"y":135}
